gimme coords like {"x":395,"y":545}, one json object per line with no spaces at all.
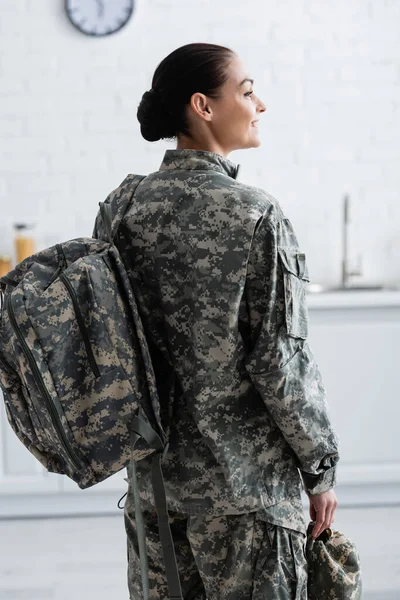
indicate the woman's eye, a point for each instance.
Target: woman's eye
{"x":248,"y":93}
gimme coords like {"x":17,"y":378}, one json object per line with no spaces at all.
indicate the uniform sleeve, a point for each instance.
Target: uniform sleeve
{"x":280,"y":362}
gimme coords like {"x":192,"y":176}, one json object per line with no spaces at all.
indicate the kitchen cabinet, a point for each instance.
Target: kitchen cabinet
{"x":355,"y":338}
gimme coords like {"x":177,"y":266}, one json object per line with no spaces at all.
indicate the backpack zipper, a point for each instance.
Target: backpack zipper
{"x":53,"y":404}
{"x":81,"y":324}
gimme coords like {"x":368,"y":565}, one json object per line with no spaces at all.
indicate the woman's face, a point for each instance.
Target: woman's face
{"x":235,"y":115}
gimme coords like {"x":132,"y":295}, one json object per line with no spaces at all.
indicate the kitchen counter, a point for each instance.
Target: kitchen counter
{"x":354,"y":299}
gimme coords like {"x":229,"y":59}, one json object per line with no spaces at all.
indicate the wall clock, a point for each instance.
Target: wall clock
{"x":99,"y":17}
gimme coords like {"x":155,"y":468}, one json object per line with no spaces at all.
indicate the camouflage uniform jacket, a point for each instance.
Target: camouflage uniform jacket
{"x":220,"y":283}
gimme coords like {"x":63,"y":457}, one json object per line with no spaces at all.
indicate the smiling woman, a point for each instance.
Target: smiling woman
{"x":202,"y":95}
{"x":220,"y":281}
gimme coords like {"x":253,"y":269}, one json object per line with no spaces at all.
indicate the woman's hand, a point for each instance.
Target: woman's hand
{"x":322,"y":511}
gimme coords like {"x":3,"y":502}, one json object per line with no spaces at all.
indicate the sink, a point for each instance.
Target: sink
{"x":316,"y":288}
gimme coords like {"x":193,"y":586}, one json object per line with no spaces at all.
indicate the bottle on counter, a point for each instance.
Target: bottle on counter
{"x":24,"y":241}
{"x":5,"y":264}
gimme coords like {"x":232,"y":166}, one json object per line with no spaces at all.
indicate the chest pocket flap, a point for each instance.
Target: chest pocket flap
{"x":295,"y":276}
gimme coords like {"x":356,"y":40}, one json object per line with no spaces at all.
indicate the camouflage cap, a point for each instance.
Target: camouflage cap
{"x":334,"y":570}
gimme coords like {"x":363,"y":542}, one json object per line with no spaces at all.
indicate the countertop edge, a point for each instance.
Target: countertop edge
{"x":356,"y":299}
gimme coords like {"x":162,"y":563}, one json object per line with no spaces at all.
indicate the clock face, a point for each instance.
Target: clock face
{"x":99,"y":17}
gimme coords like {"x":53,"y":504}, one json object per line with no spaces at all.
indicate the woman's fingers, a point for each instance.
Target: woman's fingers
{"x":319,"y":521}
{"x":324,"y":507}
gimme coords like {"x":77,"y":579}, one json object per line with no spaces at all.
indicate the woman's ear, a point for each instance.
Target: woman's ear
{"x":200,"y":106}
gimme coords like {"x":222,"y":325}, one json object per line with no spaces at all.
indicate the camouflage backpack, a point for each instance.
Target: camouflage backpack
{"x":334,"y":570}
{"x":75,"y":370}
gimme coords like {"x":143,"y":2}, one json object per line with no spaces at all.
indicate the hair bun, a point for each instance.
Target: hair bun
{"x":153,"y":96}
{"x":155,"y":122}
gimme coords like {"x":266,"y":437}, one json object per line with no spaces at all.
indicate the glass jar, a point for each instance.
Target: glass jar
{"x":5,"y":264}
{"x":24,"y":241}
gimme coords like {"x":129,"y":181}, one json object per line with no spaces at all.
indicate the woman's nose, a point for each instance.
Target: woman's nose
{"x":261,"y":107}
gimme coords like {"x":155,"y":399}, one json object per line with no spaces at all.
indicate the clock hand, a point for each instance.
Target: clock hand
{"x":100,"y":4}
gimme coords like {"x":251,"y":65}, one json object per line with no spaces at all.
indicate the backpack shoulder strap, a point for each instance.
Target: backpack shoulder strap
{"x":119,"y":201}
{"x":141,"y":429}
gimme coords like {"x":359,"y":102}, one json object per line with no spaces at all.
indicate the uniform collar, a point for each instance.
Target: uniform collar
{"x":198,"y":160}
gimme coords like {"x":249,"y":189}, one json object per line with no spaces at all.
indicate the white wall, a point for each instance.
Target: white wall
{"x":329,"y":73}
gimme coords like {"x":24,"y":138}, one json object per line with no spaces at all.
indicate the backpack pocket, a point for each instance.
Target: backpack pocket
{"x":295,"y":276}
{"x":22,"y":417}
{"x":17,"y":410}
{"x":71,"y":329}
{"x":99,"y":417}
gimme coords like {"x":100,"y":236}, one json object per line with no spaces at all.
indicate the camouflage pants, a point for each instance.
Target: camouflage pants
{"x":231,"y":557}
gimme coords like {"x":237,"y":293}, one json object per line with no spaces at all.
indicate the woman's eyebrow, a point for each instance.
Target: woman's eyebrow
{"x":245,"y":80}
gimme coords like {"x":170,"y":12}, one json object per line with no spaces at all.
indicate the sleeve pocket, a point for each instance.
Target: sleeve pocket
{"x":295,"y":276}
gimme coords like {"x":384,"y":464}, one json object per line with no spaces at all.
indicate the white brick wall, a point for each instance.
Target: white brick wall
{"x":329,"y":74}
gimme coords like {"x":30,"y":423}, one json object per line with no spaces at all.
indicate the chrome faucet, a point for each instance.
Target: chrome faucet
{"x":346,"y":272}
